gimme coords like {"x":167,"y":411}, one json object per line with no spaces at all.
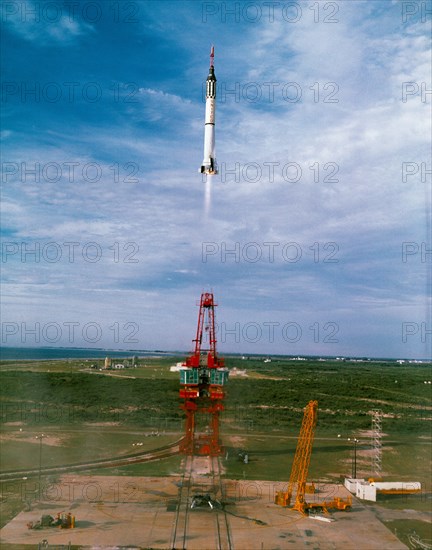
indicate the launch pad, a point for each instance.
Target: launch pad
{"x":140,"y":512}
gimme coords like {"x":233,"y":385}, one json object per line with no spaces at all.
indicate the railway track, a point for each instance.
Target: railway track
{"x":224,"y":539}
{"x":180,"y":526}
{"x":214,"y":523}
{"x":135,"y":458}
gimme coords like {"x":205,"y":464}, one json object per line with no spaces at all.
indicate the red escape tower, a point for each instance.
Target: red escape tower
{"x":202,"y":383}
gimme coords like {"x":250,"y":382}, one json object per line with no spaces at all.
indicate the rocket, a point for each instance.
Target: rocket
{"x":208,"y":165}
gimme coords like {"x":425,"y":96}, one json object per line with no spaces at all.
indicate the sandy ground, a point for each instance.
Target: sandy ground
{"x":140,"y":512}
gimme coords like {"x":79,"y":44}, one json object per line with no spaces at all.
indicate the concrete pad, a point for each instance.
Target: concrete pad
{"x":140,"y":512}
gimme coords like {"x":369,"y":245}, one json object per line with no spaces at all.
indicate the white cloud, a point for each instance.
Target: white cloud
{"x":45,"y":23}
{"x":368,"y":213}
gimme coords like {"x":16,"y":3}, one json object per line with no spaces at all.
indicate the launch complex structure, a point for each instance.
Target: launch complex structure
{"x":203,"y":376}
{"x":202,"y":382}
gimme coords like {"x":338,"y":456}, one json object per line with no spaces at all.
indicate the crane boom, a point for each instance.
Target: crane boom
{"x":300,"y":467}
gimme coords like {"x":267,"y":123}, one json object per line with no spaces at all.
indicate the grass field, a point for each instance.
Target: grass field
{"x":21,"y":450}
{"x":88,"y":414}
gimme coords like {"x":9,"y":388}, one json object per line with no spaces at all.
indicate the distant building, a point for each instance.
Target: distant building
{"x":107,"y":363}
{"x":177,"y":367}
{"x":238,"y":372}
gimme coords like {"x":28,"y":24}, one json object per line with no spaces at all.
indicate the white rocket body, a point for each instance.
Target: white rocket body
{"x":208,"y":165}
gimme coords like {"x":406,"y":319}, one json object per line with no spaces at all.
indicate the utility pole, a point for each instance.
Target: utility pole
{"x":354,"y":460}
{"x":354,"y":456}
{"x":40,"y":437}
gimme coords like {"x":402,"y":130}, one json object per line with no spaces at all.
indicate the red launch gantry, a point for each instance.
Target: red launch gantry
{"x":202,"y":383}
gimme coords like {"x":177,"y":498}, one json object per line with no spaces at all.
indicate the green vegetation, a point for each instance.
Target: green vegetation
{"x":270,"y":458}
{"x":89,"y":414}
{"x":74,"y":397}
{"x":402,"y":528}
{"x":67,"y":446}
{"x":69,"y":392}
{"x":275,"y":393}
{"x":93,"y":414}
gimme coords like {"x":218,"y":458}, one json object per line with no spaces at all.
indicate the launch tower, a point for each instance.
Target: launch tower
{"x":202,"y":382}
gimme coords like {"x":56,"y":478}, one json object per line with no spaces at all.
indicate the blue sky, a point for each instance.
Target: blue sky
{"x":323,"y":145}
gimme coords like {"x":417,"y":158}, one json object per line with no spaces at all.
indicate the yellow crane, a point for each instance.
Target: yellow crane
{"x":300,"y":468}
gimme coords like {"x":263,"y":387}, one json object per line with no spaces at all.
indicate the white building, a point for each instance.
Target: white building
{"x":368,"y":490}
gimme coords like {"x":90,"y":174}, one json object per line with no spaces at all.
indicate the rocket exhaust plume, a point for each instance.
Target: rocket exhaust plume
{"x":207,"y":199}
{"x":208,"y":165}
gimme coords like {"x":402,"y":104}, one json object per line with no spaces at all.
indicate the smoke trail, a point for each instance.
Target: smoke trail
{"x":207,"y":197}
{"x":428,"y":244}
